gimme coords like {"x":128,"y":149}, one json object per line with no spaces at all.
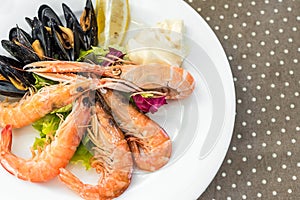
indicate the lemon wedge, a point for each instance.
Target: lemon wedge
{"x":113,"y":17}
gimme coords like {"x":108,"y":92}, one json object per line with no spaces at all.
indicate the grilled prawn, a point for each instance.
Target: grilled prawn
{"x":175,"y":82}
{"x":149,"y":143}
{"x":112,"y":159}
{"x":46,"y":164}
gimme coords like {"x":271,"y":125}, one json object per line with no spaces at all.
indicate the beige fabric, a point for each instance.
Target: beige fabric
{"x":262,"y":41}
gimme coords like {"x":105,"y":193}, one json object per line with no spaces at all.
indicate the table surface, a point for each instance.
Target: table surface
{"x":261,"y":39}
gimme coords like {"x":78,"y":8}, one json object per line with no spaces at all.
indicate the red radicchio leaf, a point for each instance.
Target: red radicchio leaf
{"x":113,"y":52}
{"x":148,"y":104}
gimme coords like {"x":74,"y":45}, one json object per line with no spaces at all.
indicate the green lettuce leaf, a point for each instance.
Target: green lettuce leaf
{"x":42,"y":82}
{"x":48,"y":126}
{"x":83,"y":156}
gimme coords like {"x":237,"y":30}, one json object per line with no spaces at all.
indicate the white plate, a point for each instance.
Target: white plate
{"x":200,"y":126}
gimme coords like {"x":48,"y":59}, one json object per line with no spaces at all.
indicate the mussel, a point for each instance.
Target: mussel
{"x":88,"y":22}
{"x":47,"y":15}
{"x":19,"y":46}
{"x":9,"y":90}
{"x":13,"y":76}
{"x":49,"y":40}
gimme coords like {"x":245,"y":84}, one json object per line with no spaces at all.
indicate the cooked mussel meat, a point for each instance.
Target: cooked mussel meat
{"x":88,"y":22}
{"x":17,"y":77}
{"x":73,"y":24}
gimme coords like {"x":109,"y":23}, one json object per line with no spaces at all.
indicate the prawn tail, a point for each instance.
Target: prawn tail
{"x":84,"y":190}
{"x":6,"y":139}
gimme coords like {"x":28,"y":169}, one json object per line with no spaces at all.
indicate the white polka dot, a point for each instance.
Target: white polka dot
{"x":258,"y":87}
{"x":290,"y":190}
{"x":269,"y":168}
{"x":264,"y":181}
{"x":274,"y":155}
{"x":259,"y":157}
{"x":212,"y":7}
{"x":274,"y":193}
{"x":262,"y":12}
{"x":244,"y":196}
{"x":223,"y":174}
{"x":283,"y":166}
{"x":219,"y":187}
{"x":249,"y":183}
{"x":259,"y":195}
{"x":233,"y":185}
{"x":226,"y":6}
{"x":294,"y":178}
{"x":279,"y":179}
{"x":253,"y":170}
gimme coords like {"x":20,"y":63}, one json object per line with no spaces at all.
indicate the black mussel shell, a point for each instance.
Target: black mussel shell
{"x":21,"y":53}
{"x":9,"y":90}
{"x":11,"y":61}
{"x":88,"y":22}
{"x":19,"y":78}
{"x":46,"y":14}
{"x":73,"y":24}
{"x":40,"y":33}
{"x":20,"y":35}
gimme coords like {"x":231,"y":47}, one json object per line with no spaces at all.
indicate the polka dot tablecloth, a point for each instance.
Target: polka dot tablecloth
{"x":262,"y":41}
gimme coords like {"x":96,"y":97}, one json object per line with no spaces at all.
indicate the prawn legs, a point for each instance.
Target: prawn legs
{"x":112,"y":159}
